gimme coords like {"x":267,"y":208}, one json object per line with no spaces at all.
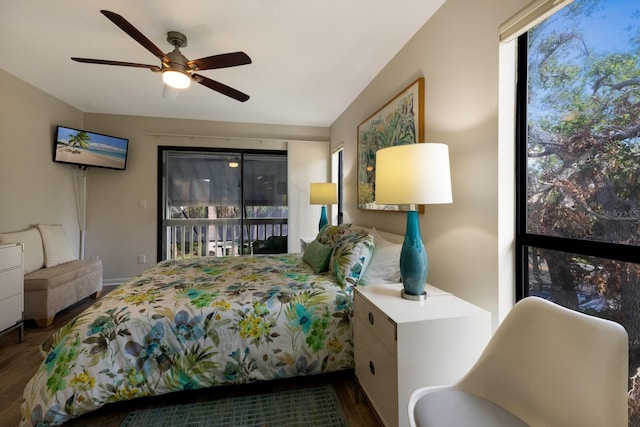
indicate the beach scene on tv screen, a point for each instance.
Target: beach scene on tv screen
{"x":92,"y":149}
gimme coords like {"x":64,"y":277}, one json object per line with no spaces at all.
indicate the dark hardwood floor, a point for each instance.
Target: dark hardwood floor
{"x":19,"y":361}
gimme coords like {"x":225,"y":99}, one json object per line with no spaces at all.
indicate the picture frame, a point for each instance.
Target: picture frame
{"x":398,"y":122}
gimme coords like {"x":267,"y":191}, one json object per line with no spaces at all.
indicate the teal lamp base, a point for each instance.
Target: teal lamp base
{"x":413,"y":261}
{"x":323,"y":218}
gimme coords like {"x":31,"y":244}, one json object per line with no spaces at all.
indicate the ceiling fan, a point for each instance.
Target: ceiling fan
{"x":177,"y":71}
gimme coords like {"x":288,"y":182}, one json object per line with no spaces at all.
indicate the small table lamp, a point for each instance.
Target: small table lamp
{"x":413,"y":174}
{"x":323,"y":194}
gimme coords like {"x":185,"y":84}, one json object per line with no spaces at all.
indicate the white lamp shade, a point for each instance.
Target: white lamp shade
{"x":323,"y":194}
{"x":413,"y":174}
{"x":176,"y":79}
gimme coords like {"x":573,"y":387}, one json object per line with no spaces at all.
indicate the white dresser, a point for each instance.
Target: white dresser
{"x":11,"y":288}
{"x":402,"y":345}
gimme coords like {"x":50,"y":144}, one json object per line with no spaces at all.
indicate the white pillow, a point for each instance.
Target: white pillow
{"x":33,"y":255}
{"x":378,"y":238}
{"x":385,"y":262}
{"x":57,"y":249}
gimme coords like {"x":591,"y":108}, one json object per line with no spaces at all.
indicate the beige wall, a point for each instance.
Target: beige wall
{"x":117,"y":229}
{"x":33,"y":189}
{"x":457,"y":51}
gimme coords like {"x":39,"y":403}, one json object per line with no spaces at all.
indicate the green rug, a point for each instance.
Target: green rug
{"x":308,"y":407}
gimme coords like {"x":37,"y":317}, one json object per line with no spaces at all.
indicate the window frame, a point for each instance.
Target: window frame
{"x":162,"y":149}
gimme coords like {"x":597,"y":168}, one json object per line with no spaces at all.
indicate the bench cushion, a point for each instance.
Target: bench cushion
{"x":458,"y":408}
{"x":52,"y":277}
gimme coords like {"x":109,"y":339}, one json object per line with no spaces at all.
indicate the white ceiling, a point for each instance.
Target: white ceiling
{"x":309,"y":59}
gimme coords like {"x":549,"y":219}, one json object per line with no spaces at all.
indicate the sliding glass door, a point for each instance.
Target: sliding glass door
{"x":264,"y":208}
{"x":221,"y":203}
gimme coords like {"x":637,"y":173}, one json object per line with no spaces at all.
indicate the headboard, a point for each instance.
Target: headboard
{"x":392,"y":237}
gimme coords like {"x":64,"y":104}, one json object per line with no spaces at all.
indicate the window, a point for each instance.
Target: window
{"x":578,"y":164}
{"x":218,"y":203}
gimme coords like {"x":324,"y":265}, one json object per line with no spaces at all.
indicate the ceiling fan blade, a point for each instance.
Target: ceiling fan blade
{"x":220,"y":61}
{"x":120,"y":63}
{"x":219,"y":87}
{"x":135,"y":34}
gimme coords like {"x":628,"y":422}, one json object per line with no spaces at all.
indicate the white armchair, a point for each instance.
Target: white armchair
{"x":546,"y":365}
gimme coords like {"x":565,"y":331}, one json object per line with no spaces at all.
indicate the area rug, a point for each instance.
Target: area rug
{"x":308,"y":407}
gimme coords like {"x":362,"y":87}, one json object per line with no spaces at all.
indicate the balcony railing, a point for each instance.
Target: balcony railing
{"x":189,"y":238}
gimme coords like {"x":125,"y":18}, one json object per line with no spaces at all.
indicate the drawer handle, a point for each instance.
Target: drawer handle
{"x":372,"y":367}
{"x":371,"y":318}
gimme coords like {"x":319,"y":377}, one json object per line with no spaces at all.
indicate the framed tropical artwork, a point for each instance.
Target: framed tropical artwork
{"x":400,"y":121}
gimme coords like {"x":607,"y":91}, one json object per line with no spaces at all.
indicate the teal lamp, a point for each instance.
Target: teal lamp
{"x":410,"y":175}
{"x":321,"y":193}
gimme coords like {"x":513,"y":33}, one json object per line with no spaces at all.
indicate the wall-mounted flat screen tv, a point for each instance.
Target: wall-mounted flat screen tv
{"x":89,"y":149}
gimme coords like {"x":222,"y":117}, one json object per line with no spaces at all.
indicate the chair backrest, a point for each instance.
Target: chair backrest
{"x":553,"y":366}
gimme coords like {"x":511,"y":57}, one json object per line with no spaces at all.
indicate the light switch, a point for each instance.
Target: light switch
{"x":142,"y":204}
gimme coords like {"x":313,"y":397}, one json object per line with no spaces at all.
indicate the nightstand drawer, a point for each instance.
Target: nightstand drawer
{"x":376,"y":370}
{"x":375,"y":322}
{"x":10,"y":283}
{"x":11,"y":256}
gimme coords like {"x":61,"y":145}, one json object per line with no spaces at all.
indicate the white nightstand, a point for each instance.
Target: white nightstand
{"x":11,"y":288}
{"x":402,"y":345}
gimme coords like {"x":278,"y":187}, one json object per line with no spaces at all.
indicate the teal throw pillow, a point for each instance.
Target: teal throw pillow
{"x":317,"y":256}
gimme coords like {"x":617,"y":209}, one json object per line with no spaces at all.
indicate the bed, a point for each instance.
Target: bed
{"x":195,"y":323}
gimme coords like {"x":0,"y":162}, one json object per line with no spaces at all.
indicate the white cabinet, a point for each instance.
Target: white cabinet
{"x":402,"y":345}
{"x":307,"y":162}
{"x":11,"y":288}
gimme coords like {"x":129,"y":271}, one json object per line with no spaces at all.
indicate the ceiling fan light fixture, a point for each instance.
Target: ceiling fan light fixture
{"x":177,"y":70}
{"x":176,"y":79}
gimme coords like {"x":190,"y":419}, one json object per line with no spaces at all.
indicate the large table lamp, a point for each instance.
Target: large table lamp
{"x":321,"y":193}
{"x":413,"y":174}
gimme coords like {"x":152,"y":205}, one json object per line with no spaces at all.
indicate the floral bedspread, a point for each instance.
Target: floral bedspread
{"x":188,"y":324}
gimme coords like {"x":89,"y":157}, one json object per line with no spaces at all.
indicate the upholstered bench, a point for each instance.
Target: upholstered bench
{"x":53,"y":279}
{"x":50,"y":290}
